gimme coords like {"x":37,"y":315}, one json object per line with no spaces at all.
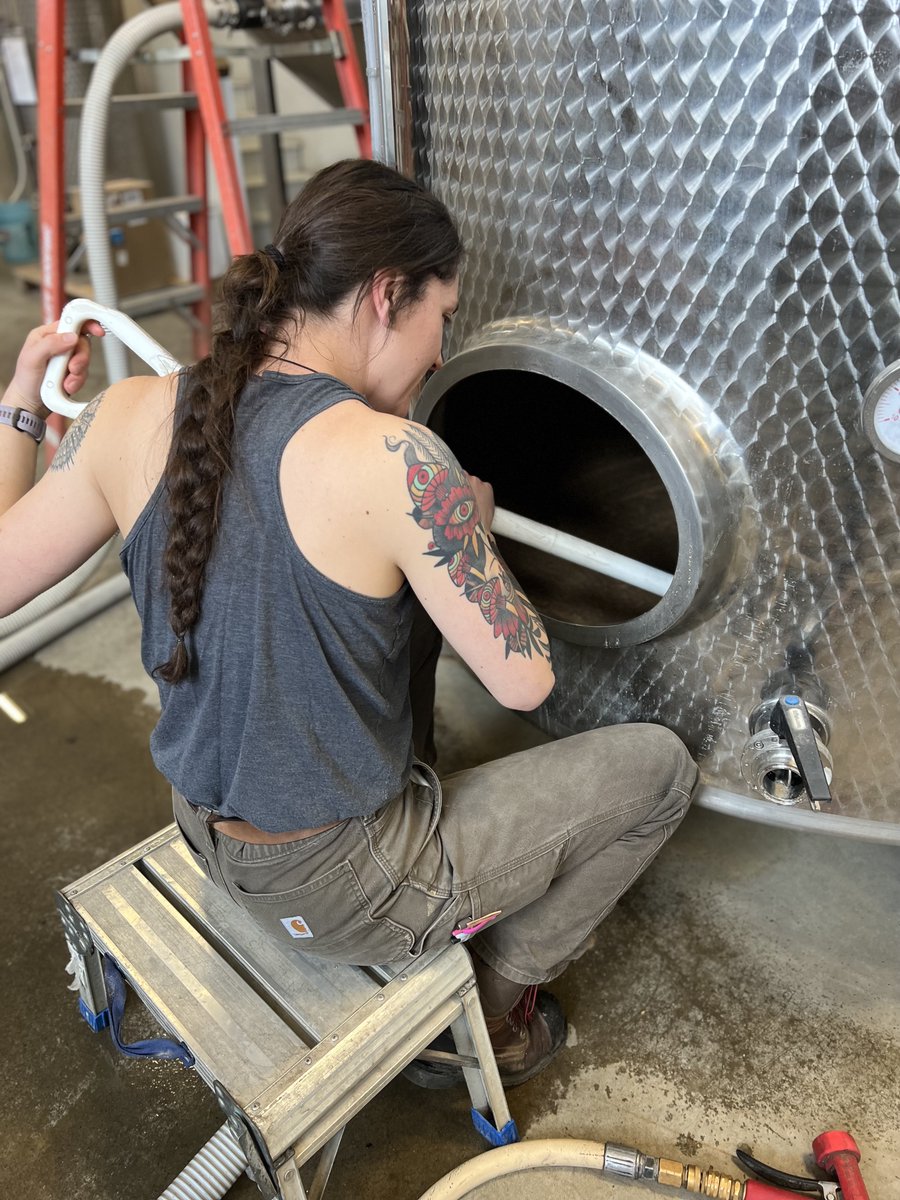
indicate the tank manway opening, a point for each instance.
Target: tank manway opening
{"x":568,"y":476}
{"x":620,"y":493}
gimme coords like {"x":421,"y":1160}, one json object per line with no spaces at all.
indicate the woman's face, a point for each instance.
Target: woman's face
{"x":412,"y":348}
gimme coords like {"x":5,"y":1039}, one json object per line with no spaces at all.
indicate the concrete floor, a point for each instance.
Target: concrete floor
{"x":745,"y":992}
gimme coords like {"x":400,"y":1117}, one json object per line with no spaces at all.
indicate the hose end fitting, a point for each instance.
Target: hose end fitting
{"x":628,"y":1163}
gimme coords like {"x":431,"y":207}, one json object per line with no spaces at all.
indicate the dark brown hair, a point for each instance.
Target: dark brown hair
{"x":349,"y":223}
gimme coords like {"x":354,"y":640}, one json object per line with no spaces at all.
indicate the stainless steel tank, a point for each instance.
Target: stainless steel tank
{"x":683,"y":231}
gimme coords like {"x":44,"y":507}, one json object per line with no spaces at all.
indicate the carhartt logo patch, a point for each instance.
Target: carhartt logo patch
{"x":296,"y":927}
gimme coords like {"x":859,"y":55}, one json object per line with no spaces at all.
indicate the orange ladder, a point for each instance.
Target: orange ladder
{"x":206,"y":127}
{"x":219,"y":129}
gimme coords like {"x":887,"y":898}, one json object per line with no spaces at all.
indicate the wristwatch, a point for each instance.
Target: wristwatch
{"x":23,"y":420}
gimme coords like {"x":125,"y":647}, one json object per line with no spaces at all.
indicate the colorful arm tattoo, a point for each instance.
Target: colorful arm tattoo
{"x":68,"y":447}
{"x":445,"y":505}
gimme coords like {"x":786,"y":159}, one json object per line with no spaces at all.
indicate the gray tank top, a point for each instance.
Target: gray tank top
{"x":298,"y":711}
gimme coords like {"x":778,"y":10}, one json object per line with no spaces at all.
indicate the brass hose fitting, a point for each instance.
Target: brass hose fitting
{"x":693,"y":1179}
{"x":670,"y":1172}
{"x":722,"y":1187}
{"x":632,"y":1164}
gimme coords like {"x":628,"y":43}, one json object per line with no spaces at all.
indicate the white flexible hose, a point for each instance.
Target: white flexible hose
{"x":124,"y":43}
{"x":212,"y":1170}
{"x":15,"y":137}
{"x":53,"y":624}
{"x":509,"y":1160}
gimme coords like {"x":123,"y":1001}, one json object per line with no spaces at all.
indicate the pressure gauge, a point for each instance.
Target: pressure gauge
{"x":881,"y":413}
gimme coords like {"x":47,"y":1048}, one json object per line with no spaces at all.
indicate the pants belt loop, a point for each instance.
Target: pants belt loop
{"x":206,"y":836}
{"x":215,"y":870}
{"x":427,"y":777}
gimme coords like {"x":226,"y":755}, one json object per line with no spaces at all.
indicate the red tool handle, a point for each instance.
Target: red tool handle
{"x":837,"y":1153}
{"x":754,"y":1190}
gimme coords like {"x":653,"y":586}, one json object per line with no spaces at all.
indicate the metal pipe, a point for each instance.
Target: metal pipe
{"x":377,"y":39}
{"x":577,"y":550}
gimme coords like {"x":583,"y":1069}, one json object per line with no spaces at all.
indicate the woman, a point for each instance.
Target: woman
{"x":282,"y":519}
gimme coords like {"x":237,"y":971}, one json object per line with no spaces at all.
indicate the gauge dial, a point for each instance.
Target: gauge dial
{"x":881,"y":413}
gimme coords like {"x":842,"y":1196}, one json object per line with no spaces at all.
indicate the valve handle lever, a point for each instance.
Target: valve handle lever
{"x":790,"y":720}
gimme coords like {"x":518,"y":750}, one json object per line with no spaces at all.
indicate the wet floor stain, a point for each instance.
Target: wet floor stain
{"x":670,"y":994}
{"x":78,"y":787}
{"x":688,"y":1145}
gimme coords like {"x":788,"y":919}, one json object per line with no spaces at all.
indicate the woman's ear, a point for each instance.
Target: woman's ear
{"x":384,"y":290}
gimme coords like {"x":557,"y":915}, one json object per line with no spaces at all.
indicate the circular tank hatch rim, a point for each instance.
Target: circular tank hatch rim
{"x":687,"y":445}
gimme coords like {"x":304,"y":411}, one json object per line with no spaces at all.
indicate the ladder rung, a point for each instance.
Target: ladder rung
{"x":125,"y":213}
{"x":275,"y":122}
{"x":169,"y":54}
{"x":143,"y":102}
{"x":298,"y":49}
{"x":141,"y":304}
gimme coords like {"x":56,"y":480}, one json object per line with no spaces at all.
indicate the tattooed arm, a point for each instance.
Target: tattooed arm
{"x":49,"y":529}
{"x":18,"y":451}
{"x":452,"y":562}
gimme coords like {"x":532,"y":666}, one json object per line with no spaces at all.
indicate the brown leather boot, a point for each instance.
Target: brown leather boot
{"x":527,"y":1029}
{"x":528,"y":1037}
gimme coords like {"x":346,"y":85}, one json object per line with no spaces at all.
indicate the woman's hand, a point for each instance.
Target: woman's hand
{"x":40,"y":346}
{"x":484,"y":498}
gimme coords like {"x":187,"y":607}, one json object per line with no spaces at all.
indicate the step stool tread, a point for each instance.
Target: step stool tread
{"x":318,"y":995}
{"x":234,"y":1035}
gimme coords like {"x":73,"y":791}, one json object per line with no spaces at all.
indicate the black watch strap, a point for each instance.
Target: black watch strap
{"x":24,"y":421}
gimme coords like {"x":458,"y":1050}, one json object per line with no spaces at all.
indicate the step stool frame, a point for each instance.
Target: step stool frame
{"x":292,"y":1046}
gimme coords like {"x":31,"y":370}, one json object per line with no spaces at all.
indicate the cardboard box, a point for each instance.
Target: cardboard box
{"x":141,"y":253}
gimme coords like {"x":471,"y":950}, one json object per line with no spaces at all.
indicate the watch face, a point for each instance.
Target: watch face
{"x":881,"y":413}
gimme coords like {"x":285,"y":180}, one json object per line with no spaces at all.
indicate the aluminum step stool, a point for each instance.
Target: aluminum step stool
{"x":292,"y":1046}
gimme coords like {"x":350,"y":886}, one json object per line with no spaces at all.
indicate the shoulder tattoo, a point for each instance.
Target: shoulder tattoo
{"x":445,"y":505}
{"x":64,"y":458}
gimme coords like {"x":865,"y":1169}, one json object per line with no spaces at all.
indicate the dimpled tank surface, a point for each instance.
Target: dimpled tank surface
{"x":716,"y":185}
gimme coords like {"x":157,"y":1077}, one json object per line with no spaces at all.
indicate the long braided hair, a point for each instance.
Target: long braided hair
{"x":349,"y":223}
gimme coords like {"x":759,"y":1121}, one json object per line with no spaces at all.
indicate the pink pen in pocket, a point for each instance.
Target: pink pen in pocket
{"x":475,"y":926}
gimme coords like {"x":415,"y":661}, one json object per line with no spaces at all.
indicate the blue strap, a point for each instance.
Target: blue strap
{"x":149,"y":1048}
{"x":497,"y":1137}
